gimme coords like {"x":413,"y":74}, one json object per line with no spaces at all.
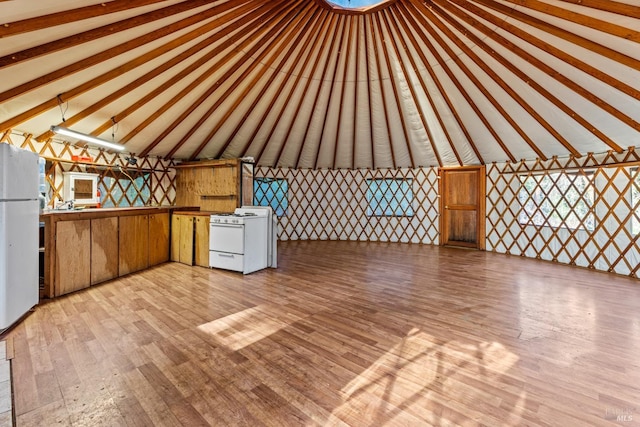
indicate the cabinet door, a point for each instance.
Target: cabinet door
{"x":202,"y":241}
{"x":186,"y":240}
{"x":73,"y":262}
{"x":104,"y":249}
{"x":134,"y":243}
{"x":176,"y":221}
{"x":158,"y":238}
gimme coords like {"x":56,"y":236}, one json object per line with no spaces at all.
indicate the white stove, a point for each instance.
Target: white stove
{"x":232,"y":218}
{"x":238,"y":241}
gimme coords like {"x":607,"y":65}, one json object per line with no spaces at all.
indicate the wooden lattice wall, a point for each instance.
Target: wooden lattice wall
{"x":609,"y":244}
{"x":157,"y":175}
{"x":332,"y":205}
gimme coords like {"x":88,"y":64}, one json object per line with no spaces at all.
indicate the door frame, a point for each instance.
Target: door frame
{"x":480,"y":204}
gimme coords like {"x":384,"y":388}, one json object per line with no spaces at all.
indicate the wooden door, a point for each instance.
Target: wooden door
{"x":462,"y":207}
{"x":104,"y":249}
{"x":73,"y":261}
{"x":158,"y":238}
{"x":134,"y":243}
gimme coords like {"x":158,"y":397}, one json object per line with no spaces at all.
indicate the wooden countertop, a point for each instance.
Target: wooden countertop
{"x":89,"y":213}
{"x":197,"y":213}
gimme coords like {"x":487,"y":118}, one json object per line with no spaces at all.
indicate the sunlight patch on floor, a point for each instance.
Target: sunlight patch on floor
{"x":423,"y":379}
{"x":246,"y":327}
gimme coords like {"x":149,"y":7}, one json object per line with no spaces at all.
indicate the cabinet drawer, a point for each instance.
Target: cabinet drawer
{"x":226,"y":261}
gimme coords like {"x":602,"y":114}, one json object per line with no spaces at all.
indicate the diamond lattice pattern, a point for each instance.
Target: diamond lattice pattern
{"x":333,"y":205}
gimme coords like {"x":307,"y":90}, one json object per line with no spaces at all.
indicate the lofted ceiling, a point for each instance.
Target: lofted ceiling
{"x":305,"y":84}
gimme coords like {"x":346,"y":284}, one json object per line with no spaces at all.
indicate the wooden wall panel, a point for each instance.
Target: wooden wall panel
{"x":212,"y":185}
{"x":104,"y":249}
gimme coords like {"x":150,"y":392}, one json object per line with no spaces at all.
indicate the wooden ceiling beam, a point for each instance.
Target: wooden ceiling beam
{"x":554,"y":51}
{"x":441,"y":91}
{"x":354,"y":143}
{"x":68,"y":16}
{"x":125,"y":90}
{"x":309,"y":33}
{"x":272,"y":25}
{"x":563,"y":34}
{"x":97,"y":33}
{"x":491,"y":73}
{"x":574,"y":62}
{"x":227,"y":31}
{"x":581,"y":19}
{"x":538,"y":64}
{"x":105,"y":56}
{"x":365,"y":30}
{"x":412,"y":88}
{"x":344,"y":86}
{"x":378,"y":65}
{"x":317,"y":95}
{"x":282,"y":40}
{"x":625,"y":9}
{"x":322,"y":32}
{"x":341,"y":24}
{"x":268,"y":12}
{"x":410,"y":15}
{"x":386,"y":40}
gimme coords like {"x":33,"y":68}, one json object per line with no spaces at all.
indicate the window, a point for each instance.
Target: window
{"x":124,"y":192}
{"x":354,"y":4}
{"x":389,"y":197}
{"x":271,"y":192}
{"x":635,"y":201}
{"x":557,"y":200}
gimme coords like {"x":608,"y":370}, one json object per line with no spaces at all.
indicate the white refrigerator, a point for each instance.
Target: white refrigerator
{"x":19,"y":227}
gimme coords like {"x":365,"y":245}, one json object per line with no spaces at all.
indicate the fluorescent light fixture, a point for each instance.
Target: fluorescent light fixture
{"x":88,"y":138}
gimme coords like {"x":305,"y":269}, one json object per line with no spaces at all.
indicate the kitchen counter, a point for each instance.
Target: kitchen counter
{"x":88,"y":213}
{"x":84,"y":247}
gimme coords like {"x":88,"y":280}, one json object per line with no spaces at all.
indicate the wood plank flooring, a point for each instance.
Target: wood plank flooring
{"x":341,"y":334}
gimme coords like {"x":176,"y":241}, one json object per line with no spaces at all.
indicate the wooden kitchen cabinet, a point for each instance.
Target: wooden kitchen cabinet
{"x":201,"y":244}
{"x":91,"y":246}
{"x":73,"y":256}
{"x":182,"y":239}
{"x":133,"y":253}
{"x":158,"y":238}
{"x":104,"y":249}
{"x":190,"y":238}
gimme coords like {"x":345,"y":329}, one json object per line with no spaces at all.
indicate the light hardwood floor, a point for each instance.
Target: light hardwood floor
{"x":359,"y":334}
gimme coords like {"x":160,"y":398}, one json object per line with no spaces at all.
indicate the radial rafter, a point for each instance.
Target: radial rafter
{"x":405,"y":83}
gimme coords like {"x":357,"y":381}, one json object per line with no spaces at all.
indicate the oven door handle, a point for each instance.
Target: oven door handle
{"x":227,"y":225}
{"x":226,"y":255}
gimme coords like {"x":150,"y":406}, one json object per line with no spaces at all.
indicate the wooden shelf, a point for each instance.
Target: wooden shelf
{"x":217,"y":196}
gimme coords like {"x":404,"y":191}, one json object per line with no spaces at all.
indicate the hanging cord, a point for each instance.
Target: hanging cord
{"x":66,"y":107}
{"x":114,"y":129}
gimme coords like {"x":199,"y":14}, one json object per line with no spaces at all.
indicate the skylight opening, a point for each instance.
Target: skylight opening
{"x":355,"y":4}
